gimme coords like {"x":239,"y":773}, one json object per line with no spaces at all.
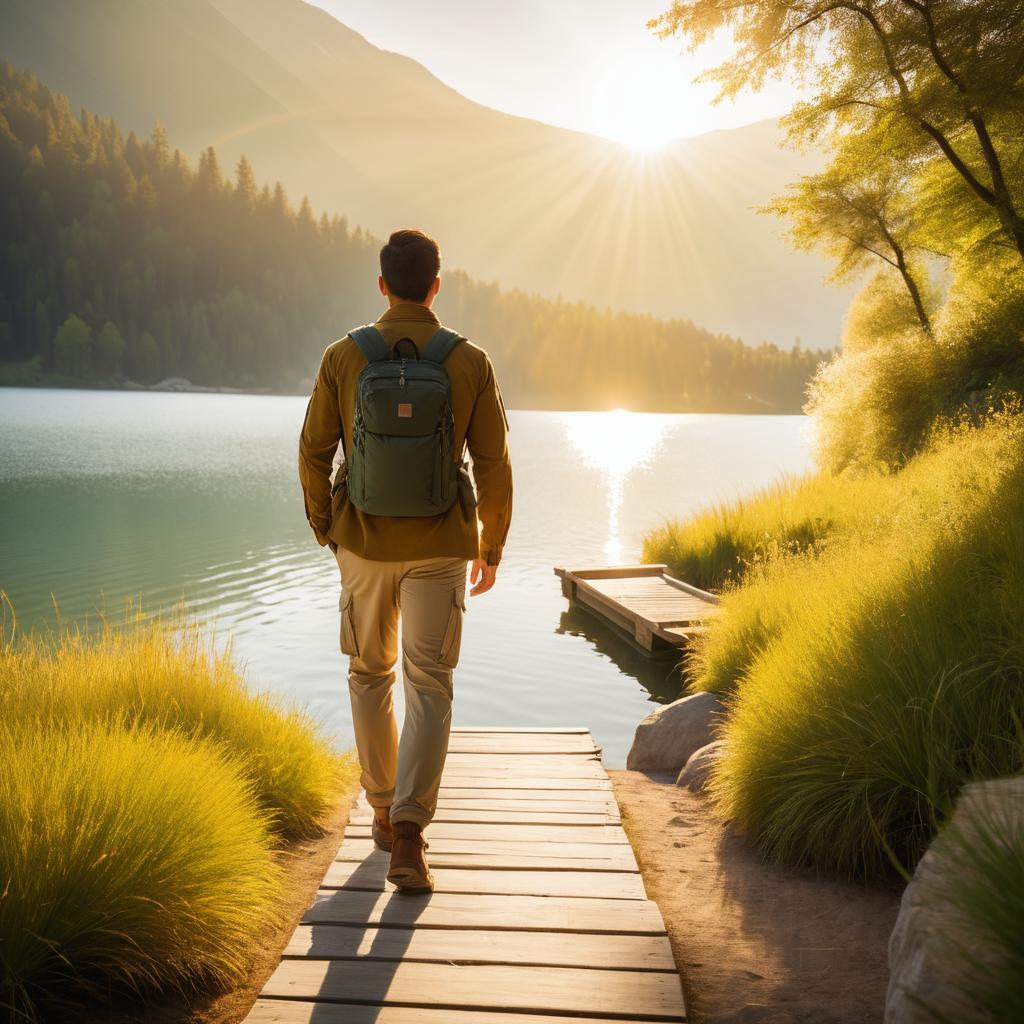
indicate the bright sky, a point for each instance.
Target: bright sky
{"x":592,"y":65}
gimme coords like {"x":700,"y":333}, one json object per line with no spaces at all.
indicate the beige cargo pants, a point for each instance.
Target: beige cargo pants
{"x":430,"y":595}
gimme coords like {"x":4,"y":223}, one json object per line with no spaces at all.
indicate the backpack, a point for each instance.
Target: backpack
{"x":402,"y":461}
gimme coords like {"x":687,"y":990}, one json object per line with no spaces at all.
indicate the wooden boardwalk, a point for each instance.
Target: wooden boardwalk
{"x":647,"y":606}
{"x":539,"y":914}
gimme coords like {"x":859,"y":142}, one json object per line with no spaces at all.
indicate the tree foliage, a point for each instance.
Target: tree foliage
{"x":181,"y":271}
{"x":921,"y":103}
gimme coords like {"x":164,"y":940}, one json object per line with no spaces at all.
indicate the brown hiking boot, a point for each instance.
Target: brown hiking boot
{"x":409,"y":869}
{"x":381,"y":830}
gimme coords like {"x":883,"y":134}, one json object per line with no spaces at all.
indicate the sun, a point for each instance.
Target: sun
{"x":636,"y":103}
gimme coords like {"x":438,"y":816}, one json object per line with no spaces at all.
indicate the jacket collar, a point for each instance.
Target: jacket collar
{"x":409,"y":311}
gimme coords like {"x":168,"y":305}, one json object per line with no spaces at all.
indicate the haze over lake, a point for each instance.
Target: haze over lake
{"x":111,"y":495}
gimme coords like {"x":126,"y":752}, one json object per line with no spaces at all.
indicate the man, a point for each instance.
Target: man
{"x":413,"y":565}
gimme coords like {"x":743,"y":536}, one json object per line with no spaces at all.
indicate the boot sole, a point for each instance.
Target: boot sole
{"x":410,"y":880}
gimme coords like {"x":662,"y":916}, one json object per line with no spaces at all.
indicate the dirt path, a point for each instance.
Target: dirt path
{"x":756,"y":943}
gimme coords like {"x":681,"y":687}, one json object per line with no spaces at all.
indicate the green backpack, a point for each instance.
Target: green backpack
{"x":402,"y":461}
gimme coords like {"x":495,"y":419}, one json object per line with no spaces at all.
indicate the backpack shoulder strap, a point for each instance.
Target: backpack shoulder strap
{"x":440,"y":345}
{"x":371,"y":343}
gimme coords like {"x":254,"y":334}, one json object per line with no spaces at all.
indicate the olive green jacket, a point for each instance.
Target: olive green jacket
{"x":480,"y":425}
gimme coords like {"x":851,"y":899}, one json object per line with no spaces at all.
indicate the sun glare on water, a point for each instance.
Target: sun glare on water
{"x":616,"y":444}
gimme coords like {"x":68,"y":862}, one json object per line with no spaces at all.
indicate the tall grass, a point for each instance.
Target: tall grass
{"x":131,"y":859}
{"x":170,"y":674}
{"x":144,"y":796}
{"x":868,"y":681}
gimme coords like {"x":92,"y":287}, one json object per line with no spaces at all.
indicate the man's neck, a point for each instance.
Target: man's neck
{"x":392,"y":301}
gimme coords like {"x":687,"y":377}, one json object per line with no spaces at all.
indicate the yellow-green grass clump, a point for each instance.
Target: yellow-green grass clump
{"x":131,"y":859}
{"x":866,"y":684}
{"x":170,"y":674}
{"x":730,"y":544}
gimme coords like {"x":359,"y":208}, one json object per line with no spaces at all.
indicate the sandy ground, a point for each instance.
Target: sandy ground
{"x":305,"y":864}
{"x":755,"y":943}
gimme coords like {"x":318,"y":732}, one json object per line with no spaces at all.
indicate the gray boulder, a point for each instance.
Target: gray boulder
{"x":697,"y":770}
{"x":935,"y":950}
{"x":666,"y":738}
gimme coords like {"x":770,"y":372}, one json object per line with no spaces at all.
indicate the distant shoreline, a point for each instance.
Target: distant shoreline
{"x":754,"y":407}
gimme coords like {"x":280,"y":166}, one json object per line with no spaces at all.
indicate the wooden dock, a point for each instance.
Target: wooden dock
{"x":644,"y":603}
{"x":539,"y":914}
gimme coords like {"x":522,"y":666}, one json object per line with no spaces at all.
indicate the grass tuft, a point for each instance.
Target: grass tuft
{"x":869,"y":678}
{"x":132,"y":859}
{"x":171,"y":675}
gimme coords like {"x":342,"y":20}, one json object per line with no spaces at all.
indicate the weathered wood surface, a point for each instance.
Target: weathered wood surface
{"x":643,"y":602}
{"x":539,"y":915}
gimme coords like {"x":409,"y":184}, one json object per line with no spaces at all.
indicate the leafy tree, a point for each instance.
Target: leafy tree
{"x":72,"y":347}
{"x":943,"y":79}
{"x":109,"y":348}
{"x":860,"y":209}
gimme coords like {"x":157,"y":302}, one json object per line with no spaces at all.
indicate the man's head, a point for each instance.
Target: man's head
{"x":409,"y":266}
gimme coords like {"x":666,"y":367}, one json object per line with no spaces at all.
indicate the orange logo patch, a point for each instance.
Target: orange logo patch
{"x":405,"y":410}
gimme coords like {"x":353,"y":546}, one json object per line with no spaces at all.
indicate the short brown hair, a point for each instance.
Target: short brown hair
{"x":409,"y":263}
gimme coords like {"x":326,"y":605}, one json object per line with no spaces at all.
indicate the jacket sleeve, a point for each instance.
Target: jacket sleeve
{"x":487,"y":440}
{"x":318,"y":442}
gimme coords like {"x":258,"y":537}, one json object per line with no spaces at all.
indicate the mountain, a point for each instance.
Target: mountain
{"x":377,"y":136}
{"x":122,"y":261}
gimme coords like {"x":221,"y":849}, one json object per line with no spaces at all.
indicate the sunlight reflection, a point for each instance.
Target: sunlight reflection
{"x":615,"y":444}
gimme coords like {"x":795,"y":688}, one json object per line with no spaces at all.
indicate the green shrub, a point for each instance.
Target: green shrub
{"x":867,"y":684}
{"x":877,"y":402}
{"x":170,"y":674}
{"x":131,"y":859}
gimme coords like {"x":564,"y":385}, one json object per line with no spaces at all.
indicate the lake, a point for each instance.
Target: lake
{"x":114,"y":495}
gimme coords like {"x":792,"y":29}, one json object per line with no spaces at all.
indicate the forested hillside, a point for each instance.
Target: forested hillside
{"x":122,"y":261}
{"x":374,"y":134}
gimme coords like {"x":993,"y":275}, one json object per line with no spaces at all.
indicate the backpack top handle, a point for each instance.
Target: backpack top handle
{"x":396,"y":351}
{"x":440,"y":345}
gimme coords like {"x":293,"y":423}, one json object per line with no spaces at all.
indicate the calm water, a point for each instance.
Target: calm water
{"x":110,"y":495}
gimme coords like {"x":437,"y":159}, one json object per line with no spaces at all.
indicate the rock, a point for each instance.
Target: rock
{"x":666,"y":738}
{"x":935,"y":950}
{"x":173,"y":384}
{"x":698,"y":767}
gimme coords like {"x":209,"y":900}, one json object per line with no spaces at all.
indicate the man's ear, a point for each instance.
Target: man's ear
{"x":435,"y":287}
{"x":382,"y":286}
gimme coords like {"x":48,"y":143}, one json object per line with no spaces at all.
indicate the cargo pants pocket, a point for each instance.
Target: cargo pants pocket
{"x":349,"y":644}
{"x":452,"y":642}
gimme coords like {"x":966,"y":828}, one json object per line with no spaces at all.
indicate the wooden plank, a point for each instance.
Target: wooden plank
{"x":525,"y":833}
{"x":645,"y":995}
{"x":455,"y":853}
{"x":585,"y":793}
{"x":511,"y":743}
{"x":613,"y":571}
{"x":501,"y":801}
{"x":487,"y":815}
{"x":504,"y":913}
{"x":369,"y":876}
{"x":468,"y":779}
{"x":505,"y":729}
{"x":479,"y":946}
{"x":291,"y":1011}
{"x":574,"y":766}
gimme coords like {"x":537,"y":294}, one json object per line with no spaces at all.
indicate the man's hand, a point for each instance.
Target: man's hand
{"x":482,"y":577}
